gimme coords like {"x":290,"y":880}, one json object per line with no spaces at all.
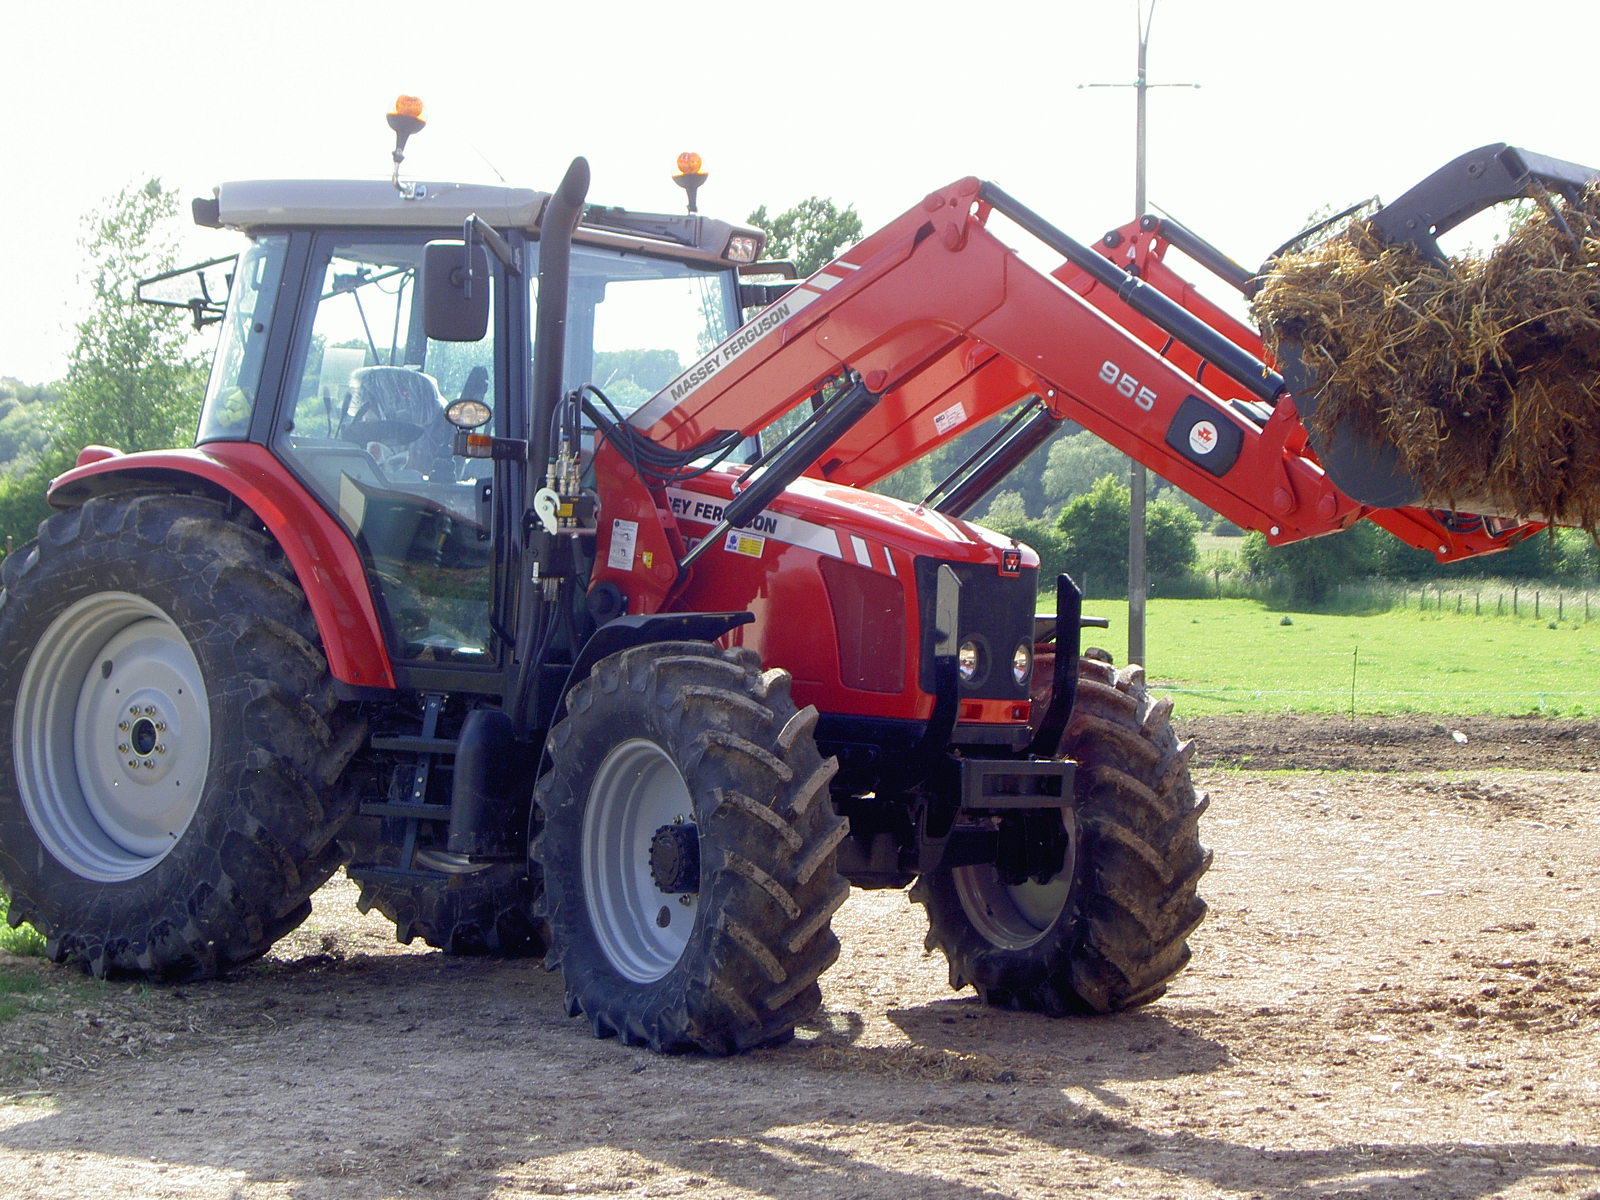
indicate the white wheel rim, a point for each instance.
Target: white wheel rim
{"x":642,"y":930}
{"x":1012,"y":916}
{"x":112,"y":737}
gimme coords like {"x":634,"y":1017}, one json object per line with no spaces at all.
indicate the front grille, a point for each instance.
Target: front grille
{"x":995,"y":614}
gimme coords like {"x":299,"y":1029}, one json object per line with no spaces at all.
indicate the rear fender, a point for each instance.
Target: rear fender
{"x":320,"y":552}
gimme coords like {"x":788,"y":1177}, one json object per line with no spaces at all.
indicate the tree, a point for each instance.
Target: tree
{"x":1074,"y":463}
{"x":1094,"y":529}
{"x":24,"y":424}
{"x":810,"y":234}
{"x":1006,"y":508}
{"x":1170,"y":531}
{"x":132,"y":381}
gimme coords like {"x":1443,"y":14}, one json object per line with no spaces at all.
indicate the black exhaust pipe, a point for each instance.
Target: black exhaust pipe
{"x":535,"y":620}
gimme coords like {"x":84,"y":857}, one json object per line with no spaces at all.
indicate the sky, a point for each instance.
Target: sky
{"x":1300,"y":105}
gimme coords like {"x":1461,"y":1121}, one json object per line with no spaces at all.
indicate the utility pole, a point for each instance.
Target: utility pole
{"x":1138,"y":580}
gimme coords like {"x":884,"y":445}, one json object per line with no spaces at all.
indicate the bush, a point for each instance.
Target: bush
{"x":1577,"y":556}
{"x":24,"y":939}
{"x":1094,"y":533}
{"x":1310,"y":570}
{"x":22,"y":506}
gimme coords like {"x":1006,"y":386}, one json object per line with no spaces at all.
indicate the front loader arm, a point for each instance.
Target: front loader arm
{"x":948,"y":327}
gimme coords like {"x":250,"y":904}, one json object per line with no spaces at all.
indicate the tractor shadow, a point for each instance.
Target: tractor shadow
{"x":373,"y":1075}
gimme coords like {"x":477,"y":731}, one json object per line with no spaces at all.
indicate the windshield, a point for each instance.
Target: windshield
{"x":634,"y":323}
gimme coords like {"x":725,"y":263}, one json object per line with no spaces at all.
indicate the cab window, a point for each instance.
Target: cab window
{"x":241,"y":349}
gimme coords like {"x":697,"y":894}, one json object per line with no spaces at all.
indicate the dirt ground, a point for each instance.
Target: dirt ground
{"x":1397,"y":993}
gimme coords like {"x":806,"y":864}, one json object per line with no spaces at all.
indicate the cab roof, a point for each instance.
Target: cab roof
{"x":252,"y":205}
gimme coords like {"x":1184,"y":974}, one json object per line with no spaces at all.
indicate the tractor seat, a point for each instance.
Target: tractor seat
{"x":401,"y":412}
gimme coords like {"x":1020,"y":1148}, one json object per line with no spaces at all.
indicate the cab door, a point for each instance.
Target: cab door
{"x":364,"y":429}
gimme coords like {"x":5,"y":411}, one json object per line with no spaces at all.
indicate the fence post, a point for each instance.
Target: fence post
{"x":1535,"y":602}
{"x":1515,"y":611}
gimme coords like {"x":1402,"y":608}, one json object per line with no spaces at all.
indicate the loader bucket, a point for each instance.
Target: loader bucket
{"x":1460,"y":384}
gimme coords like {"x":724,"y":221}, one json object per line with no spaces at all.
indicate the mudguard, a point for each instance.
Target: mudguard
{"x":325,"y":561}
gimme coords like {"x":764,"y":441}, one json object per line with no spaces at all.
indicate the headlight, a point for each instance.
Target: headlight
{"x":969,"y":661}
{"x":742,"y":248}
{"x":1022,"y":663}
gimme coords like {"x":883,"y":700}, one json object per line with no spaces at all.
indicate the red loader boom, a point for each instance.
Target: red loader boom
{"x":945,"y":327}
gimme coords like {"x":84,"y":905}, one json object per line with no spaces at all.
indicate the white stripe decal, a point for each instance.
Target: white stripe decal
{"x":706,"y":510}
{"x":863,"y":552}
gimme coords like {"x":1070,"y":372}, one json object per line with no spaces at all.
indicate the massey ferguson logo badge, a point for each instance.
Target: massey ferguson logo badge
{"x":1011,"y":562}
{"x":1202,"y":437}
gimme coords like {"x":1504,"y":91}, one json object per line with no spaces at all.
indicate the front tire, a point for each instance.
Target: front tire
{"x":688,"y":851}
{"x":170,"y":788}
{"x":1111,"y":931}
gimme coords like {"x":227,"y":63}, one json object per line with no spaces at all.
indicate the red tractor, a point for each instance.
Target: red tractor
{"x":560,"y":620}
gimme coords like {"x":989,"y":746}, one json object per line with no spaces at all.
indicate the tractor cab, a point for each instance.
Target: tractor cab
{"x":325,"y":357}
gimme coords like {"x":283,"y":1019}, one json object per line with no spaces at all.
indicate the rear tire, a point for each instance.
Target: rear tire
{"x":688,"y":851}
{"x":1112,"y":932}
{"x":470,"y":909}
{"x":170,"y":788}
{"x":479,"y":910}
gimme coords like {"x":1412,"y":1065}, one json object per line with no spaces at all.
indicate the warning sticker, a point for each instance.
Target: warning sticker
{"x":624,"y":536}
{"x":747,"y":544}
{"x":949,"y":419}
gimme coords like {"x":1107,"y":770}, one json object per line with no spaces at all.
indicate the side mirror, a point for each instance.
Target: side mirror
{"x":455,"y":299}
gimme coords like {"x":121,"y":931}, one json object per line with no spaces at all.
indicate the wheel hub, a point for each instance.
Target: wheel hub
{"x":675,"y":858}
{"x":147,"y":739}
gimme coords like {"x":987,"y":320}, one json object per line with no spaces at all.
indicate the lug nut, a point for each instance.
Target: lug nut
{"x":123,"y":748}
{"x":161,"y":726}
{"x":133,"y":762}
{"x":124,"y":726}
{"x":149,"y":710}
{"x":161,"y":748}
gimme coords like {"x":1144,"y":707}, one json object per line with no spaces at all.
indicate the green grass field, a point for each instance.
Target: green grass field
{"x":1240,"y":656}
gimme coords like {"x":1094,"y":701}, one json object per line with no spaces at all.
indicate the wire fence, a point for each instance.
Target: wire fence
{"x":1539,"y":600}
